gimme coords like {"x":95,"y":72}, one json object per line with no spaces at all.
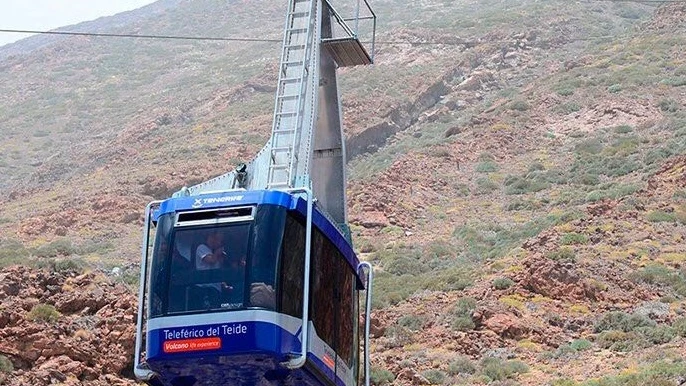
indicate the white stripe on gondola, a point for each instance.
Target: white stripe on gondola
{"x":287,"y":322}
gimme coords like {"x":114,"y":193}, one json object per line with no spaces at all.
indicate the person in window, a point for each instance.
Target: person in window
{"x":262,"y":295}
{"x":211,"y":255}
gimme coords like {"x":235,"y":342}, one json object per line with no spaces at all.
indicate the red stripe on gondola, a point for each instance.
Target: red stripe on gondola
{"x":186,"y":345}
{"x":328,"y":361}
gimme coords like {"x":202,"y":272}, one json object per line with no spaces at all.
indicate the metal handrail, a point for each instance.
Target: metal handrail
{"x":356,"y":18}
{"x":360,"y":18}
{"x":300,"y":360}
{"x":341,"y":21}
{"x":369,"y":7}
{"x":367,"y":320}
{"x":140,"y":372}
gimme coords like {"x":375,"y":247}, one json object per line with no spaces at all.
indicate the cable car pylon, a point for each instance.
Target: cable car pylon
{"x":250,"y":278}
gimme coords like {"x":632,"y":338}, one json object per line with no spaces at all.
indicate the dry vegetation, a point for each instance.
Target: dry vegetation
{"x":527,"y":215}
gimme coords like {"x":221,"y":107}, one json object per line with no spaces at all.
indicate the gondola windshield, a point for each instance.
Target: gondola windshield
{"x":205,"y":268}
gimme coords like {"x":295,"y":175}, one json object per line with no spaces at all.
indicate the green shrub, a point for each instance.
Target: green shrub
{"x":494,"y":369}
{"x":624,"y":146}
{"x":614,"y":192}
{"x":519,"y":204}
{"x":589,"y":146}
{"x":587,"y":179}
{"x":522,"y":185}
{"x":661,"y":216}
{"x":623,"y":129}
{"x":564,"y":254}
{"x":365,"y":245}
{"x":130,"y":278}
{"x":498,"y":370}
{"x":398,"y":336}
{"x":434,"y":376}
{"x":669,"y":105}
{"x":546,"y":177}
{"x":675,"y":82}
{"x":573,"y":238}
{"x":567,"y":349}
{"x":13,"y":252}
{"x":580,"y":345}
{"x":464,"y":306}
{"x":486,"y":167}
{"x":462,"y":323}
{"x":562,"y":351}
{"x":442,"y":275}
{"x":484,"y":185}
{"x":6,"y":365}
{"x":596,"y":196}
{"x":380,"y":376}
{"x":486,"y":157}
{"x":615,"y":88}
{"x":502,"y":283}
{"x":658,"y":334}
{"x":462,"y":190}
{"x":44,"y":313}
{"x":461,"y":365}
{"x":563,"y":382}
{"x":461,"y":314}
{"x":622,"y":321}
{"x":58,"y":247}
{"x":661,"y":275}
{"x":517,"y":367}
{"x":661,"y":373}
{"x":536,"y":167}
{"x":62,"y":265}
{"x":609,"y":165}
{"x":439,"y":249}
{"x":489,"y":241}
{"x":619,"y":159}
{"x":621,"y":341}
{"x":69,"y":265}
{"x":391,"y":289}
{"x":571,"y":348}
{"x":679,"y":327}
{"x":652,"y":274}
{"x":654,"y":156}
{"x":519,"y":105}
{"x":568,"y":108}
{"x":565,"y":91}
{"x":411,"y":322}
{"x":452,"y":279}
{"x":404,"y":264}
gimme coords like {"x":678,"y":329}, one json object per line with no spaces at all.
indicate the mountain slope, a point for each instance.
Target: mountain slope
{"x":515,"y":174}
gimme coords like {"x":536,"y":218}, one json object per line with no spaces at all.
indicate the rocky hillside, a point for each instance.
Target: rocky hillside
{"x":552,"y":315}
{"x":537,"y":238}
{"x":58,"y":326}
{"x":516,"y":176}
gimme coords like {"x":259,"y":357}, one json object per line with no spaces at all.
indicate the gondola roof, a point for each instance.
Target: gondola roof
{"x":262,"y":197}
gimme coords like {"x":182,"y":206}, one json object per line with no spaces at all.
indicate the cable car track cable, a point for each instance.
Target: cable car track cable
{"x":263,"y":40}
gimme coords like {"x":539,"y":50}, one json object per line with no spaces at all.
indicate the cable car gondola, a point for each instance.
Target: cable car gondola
{"x":248,"y":282}
{"x":228,"y":295}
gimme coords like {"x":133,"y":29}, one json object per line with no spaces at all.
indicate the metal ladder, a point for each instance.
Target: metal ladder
{"x":290,"y":94}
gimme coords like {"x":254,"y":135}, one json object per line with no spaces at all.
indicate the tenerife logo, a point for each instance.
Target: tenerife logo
{"x":219,"y":200}
{"x":199,"y":202}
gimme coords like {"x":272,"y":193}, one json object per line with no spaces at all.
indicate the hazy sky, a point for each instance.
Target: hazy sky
{"x":50,"y":14}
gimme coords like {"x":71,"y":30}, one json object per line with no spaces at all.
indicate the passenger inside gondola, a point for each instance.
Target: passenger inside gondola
{"x":208,"y":269}
{"x":211,"y":255}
